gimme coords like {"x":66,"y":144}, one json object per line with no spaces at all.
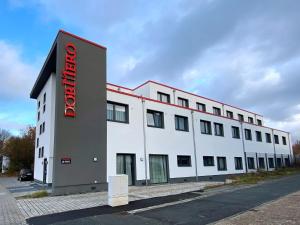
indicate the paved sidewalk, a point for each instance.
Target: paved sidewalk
{"x":285,"y":210}
{"x":9,"y":211}
{"x":56,"y":204}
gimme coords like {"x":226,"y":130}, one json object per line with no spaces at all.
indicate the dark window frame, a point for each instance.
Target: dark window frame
{"x":233,"y":133}
{"x":276,"y":139}
{"x":248,"y":137}
{"x":259,"y":122}
{"x":268,"y":138}
{"x":150,"y":111}
{"x":271,"y":163}
{"x":114,"y":112}
{"x":160,"y":94}
{"x":209,"y":132}
{"x":186,"y":123}
{"x":258,"y":136}
{"x":238,"y":163}
{"x":218,"y":163}
{"x":208,"y":161}
{"x":284,"y":140}
{"x":217,"y":111}
{"x":183,"y":100}
{"x":260,"y":161}
{"x":241,"y":117}
{"x":202,"y":105}
{"x":229,"y":114}
{"x":251,"y":163}
{"x":221,"y":126}
{"x":180,"y":161}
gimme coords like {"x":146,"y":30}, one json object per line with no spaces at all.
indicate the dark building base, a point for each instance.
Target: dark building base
{"x":79,"y":189}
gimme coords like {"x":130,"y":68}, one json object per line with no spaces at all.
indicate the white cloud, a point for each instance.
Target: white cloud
{"x":16,"y":76}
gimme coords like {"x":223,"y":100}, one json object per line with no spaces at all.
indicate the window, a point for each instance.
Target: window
{"x":183,"y":102}
{"x":38,"y":116}
{"x":279,"y":162}
{"x":155,"y":119}
{"x":276,"y":139}
{"x":248,"y":134}
{"x":258,"y":136}
{"x":268,"y":138}
{"x":261,"y":163}
{"x":184,"y":161}
{"x":238,"y":163}
{"x":44,"y":99}
{"x":229,"y":114}
{"x":205,"y":127}
{"x":41,"y":152}
{"x":284,"y":140}
{"x":219,"y":130}
{"x":39,"y":104}
{"x":181,"y":123}
{"x":271,"y":163}
{"x":222,"y":163}
{"x":163,"y":97}
{"x":208,"y":161}
{"x":251,"y":165}
{"x":250,"y":119}
{"x":241,"y":117}
{"x":117,"y":112}
{"x":217,"y":111}
{"x":37,"y":142}
{"x":43,"y":127}
{"x":44,"y":108}
{"x":235,"y":132}
{"x":259,"y":122}
{"x":201,"y":106}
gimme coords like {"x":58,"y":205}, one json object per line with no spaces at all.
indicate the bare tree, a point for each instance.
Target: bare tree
{"x":4,"y":134}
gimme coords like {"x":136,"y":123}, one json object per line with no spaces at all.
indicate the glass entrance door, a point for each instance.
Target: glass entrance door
{"x":158,"y":168}
{"x":125,"y":165}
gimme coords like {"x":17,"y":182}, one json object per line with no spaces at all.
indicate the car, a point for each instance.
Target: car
{"x":25,"y":174}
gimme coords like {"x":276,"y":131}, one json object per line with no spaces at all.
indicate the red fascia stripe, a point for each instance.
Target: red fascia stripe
{"x":199,"y":96}
{"x":83,"y":39}
{"x":118,"y":86}
{"x":178,"y":106}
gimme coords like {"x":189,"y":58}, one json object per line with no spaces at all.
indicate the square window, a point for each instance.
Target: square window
{"x":217,"y":111}
{"x":250,"y":120}
{"x":183,"y":102}
{"x":163,"y":97}
{"x":205,"y":127}
{"x":117,"y":112}
{"x":155,"y":119}
{"x":201,"y":107}
{"x":181,"y":123}
{"x":229,"y":114}
{"x":208,"y":161}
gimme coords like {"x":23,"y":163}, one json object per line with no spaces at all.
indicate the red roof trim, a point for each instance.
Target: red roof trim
{"x":164,"y":85}
{"x":83,"y":39}
{"x":118,"y":86}
{"x":178,"y":106}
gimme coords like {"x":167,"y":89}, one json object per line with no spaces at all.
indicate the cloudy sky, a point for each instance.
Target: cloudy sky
{"x":245,"y":53}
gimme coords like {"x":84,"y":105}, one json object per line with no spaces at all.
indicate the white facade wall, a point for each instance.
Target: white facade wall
{"x":45,"y":139}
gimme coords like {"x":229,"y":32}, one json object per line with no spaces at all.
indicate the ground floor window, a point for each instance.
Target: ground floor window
{"x":261,"y":163}
{"x":279,"y":162}
{"x":251,"y":165}
{"x":208,"y":161}
{"x":287,"y":162}
{"x":238,"y":163}
{"x":222,"y":163}
{"x":158,"y":168}
{"x":271,"y":163}
{"x":125,"y":165}
{"x":184,"y":160}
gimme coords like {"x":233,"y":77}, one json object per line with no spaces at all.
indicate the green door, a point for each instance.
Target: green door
{"x":158,"y":169}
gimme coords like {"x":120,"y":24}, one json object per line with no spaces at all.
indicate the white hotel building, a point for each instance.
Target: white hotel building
{"x":154,"y":133}
{"x":159,"y":134}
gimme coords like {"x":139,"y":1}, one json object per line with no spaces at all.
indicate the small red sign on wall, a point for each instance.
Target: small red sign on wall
{"x":65,"y":160}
